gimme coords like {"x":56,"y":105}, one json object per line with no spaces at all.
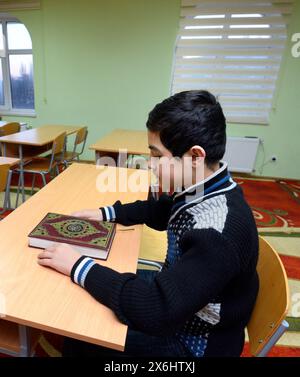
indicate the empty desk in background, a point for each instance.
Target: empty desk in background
{"x":134,"y":142}
{"x":31,"y":143}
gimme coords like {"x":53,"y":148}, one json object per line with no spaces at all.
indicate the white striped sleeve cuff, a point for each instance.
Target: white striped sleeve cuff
{"x":82,"y":270}
{"x":108,"y":213}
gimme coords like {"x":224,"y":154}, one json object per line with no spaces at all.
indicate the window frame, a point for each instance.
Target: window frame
{"x":7,"y":108}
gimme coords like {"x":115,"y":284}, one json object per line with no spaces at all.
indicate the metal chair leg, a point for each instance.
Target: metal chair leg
{"x":43,"y":178}
{"x":9,"y":201}
{"x":24,"y":334}
{"x":18,"y":191}
{"x":7,"y":191}
{"x":57,"y":170}
{"x":33,"y":184}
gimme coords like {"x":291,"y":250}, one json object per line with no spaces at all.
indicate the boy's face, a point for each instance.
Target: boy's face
{"x":174,"y":173}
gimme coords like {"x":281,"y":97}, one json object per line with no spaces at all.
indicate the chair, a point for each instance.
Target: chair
{"x":267,"y":322}
{"x":45,"y":165}
{"x":5,"y":179}
{"x":153,"y":248}
{"x":81,"y":137}
{"x":137,"y":162}
{"x":9,"y":129}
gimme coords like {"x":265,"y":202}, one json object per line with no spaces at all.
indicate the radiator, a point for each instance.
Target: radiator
{"x":241,"y":153}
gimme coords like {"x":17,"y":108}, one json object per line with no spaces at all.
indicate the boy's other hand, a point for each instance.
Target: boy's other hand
{"x":91,"y":214}
{"x":60,"y":257}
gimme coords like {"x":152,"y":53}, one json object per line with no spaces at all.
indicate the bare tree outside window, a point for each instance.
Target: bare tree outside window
{"x":16,"y":70}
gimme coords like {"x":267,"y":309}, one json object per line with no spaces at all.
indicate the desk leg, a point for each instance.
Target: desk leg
{"x":122,"y":158}
{"x":97,"y":156}
{"x":108,"y":158}
{"x":6,"y":203}
{"x":7,"y":193}
{"x":21,"y":180}
{"x":24,"y":334}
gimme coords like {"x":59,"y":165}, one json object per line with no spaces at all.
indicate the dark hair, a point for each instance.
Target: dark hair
{"x":190,"y":118}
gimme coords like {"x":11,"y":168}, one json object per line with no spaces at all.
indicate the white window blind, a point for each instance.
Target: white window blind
{"x":10,"y":5}
{"x":233,"y":48}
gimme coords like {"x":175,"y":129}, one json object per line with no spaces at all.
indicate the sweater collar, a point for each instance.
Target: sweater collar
{"x":219,"y":180}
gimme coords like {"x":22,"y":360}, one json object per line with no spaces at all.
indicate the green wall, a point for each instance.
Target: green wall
{"x":105,"y":64}
{"x":101,"y":63}
{"x":281,"y":137}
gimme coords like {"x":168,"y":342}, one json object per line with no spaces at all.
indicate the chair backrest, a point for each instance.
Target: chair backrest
{"x":272,"y":302}
{"x":10,"y":128}
{"x":3,"y":176}
{"x":81,"y":135}
{"x":58,"y":148}
{"x":59,"y":144}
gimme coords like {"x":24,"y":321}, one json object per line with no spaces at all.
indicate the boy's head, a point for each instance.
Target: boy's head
{"x":188,"y":124}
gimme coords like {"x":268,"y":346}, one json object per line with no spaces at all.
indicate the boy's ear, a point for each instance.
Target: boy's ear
{"x":197,"y":153}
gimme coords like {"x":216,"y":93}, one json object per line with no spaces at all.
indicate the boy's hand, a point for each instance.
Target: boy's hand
{"x":60,"y":257}
{"x":91,"y":214}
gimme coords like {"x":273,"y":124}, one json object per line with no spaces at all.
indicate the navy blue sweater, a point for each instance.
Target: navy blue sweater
{"x":208,"y":286}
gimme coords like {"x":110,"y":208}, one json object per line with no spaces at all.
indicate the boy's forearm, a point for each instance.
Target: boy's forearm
{"x":154,"y":213}
{"x":162,"y":307}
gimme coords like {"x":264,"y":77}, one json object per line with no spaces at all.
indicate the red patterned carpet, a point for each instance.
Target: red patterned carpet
{"x":275,"y":204}
{"x":276,"y":207}
{"x":277,"y":351}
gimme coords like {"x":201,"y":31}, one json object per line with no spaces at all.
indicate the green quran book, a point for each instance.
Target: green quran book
{"x":91,"y":238}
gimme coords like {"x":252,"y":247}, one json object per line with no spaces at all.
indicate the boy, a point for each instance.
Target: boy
{"x":201,"y":301}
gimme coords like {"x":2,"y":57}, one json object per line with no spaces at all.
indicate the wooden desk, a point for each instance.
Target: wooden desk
{"x":39,"y":139}
{"x":135,"y":142}
{"x":42,"y":298}
{"x":38,"y":136}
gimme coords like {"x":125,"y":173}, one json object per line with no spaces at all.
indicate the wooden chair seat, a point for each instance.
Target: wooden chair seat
{"x":26,"y":160}
{"x":71,"y":155}
{"x":39,"y":164}
{"x":67,"y":155}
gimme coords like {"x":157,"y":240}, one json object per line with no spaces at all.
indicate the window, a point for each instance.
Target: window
{"x":16,"y":69}
{"x":232,"y":48}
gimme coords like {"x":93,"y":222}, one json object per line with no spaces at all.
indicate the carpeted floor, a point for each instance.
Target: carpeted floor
{"x":276,"y":207}
{"x":275,"y":204}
